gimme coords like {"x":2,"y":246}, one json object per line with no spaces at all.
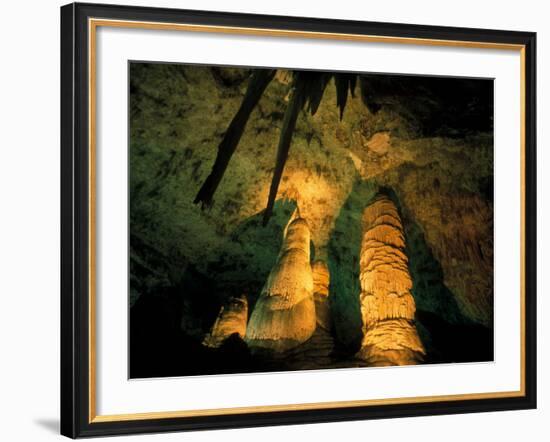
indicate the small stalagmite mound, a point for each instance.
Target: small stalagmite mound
{"x":387,"y":305}
{"x":231,"y":319}
{"x":284,"y":315}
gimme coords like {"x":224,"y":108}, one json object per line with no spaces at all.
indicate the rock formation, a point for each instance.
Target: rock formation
{"x":284,"y":315}
{"x":387,"y":305}
{"x":321,"y":280}
{"x":317,"y":351}
{"x":231,"y":319}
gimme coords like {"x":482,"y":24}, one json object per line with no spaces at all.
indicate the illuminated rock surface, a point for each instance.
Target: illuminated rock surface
{"x":321,"y":282}
{"x":284,"y":315}
{"x":387,"y":305}
{"x":231,"y":319}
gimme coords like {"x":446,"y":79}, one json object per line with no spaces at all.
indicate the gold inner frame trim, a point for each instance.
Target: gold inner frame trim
{"x":93,"y":24}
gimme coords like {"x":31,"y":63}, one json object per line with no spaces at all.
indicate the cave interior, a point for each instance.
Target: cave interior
{"x":290,"y":220}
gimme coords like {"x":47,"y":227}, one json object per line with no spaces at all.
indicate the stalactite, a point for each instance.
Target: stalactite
{"x":289,"y":123}
{"x":284,"y":315}
{"x":387,"y":305}
{"x":231,"y":319}
{"x":259,"y":81}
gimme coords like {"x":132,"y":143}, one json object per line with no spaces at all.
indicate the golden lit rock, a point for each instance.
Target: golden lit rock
{"x":231,"y":319}
{"x":321,"y":281}
{"x":387,"y":305}
{"x":391,"y":342}
{"x":379,"y":143}
{"x":284,"y":315}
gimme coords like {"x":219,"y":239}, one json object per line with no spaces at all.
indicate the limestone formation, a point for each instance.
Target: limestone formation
{"x":231,"y":319}
{"x":387,"y":305}
{"x":379,"y":143}
{"x":284,"y":315}
{"x":321,"y":280}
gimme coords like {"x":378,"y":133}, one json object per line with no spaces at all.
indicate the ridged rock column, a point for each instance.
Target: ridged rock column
{"x":231,"y":319}
{"x":387,"y":305}
{"x":284,"y":315}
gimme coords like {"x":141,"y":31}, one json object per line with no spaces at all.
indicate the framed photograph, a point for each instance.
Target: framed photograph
{"x":276,"y":220}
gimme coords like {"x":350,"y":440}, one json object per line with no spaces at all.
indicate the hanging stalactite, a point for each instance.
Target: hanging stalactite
{"x":259,"y":80}
{"x":307,"y":89}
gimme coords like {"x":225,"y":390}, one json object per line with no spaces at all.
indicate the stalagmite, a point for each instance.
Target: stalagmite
{"x":387,"y":305}
{"x":317,"y":351}
{"x":321,"y":279}
{"x":231,"y":319}
{"x":284,"y":315}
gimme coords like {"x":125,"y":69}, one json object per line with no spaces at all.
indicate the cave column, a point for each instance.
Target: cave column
{"x":387,"y":305}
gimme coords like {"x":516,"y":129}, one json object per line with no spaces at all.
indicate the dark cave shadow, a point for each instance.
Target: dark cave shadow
{"x":168,"y":324}
{"x":447,"y":342}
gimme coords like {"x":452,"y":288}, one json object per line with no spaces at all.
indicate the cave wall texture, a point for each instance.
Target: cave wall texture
{"x":425,"y":143}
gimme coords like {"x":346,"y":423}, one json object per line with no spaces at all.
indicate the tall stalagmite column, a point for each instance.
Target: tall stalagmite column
{"x":284,"y":315}
{"x":387,"y":305}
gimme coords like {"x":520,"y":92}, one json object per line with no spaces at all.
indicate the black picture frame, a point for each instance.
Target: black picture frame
{"x":76,"y":403}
